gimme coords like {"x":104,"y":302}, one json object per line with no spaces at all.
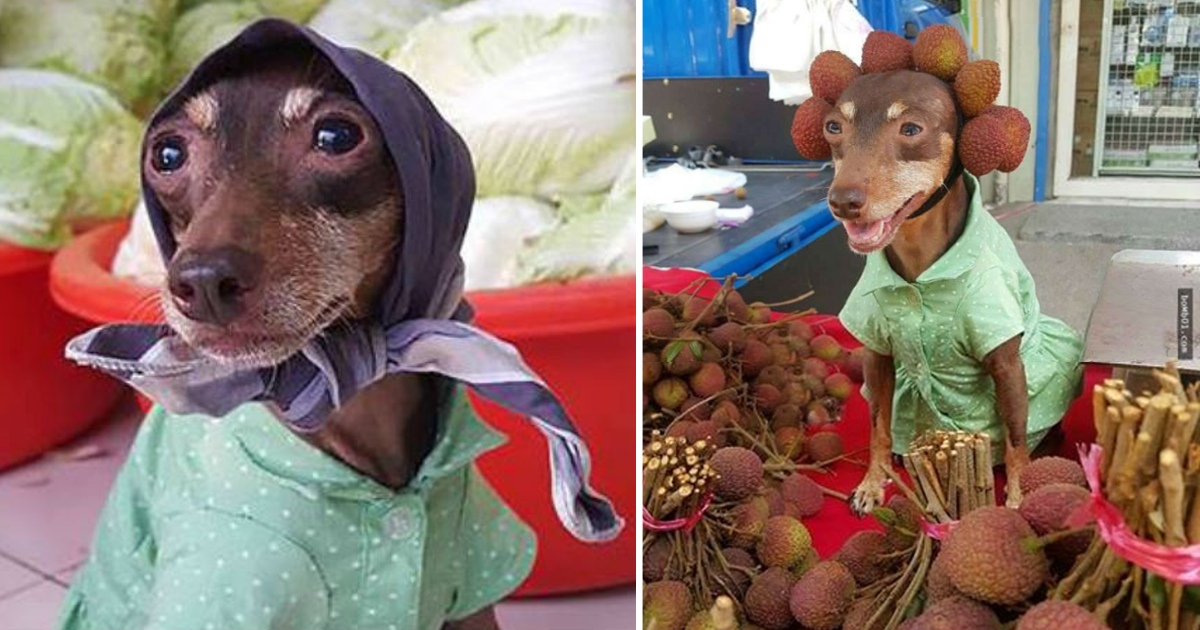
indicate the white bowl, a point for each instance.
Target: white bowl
{"x":691,"y":217}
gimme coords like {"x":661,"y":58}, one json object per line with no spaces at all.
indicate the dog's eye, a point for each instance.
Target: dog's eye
{"x":169,"y":154}
{"x":833,"y":126}
{"x":909,"y":129}
{"x":336,"y":136}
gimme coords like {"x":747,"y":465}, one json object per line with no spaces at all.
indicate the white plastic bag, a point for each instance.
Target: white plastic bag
{"x":789,"y":34}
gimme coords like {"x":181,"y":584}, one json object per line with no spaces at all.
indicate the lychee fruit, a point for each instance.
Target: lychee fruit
{"x":739,"y":472}
{"x":1047,"y":510}
{"x":823,"y":446}
{"x":784,"y":542}
{"x":797,"y":395}
{"x":790,"y":442}
{"x":755,"y":357}
{"x":861,"y":612}
{"x":957,"y":613}
{"x":694,"y":309}
{"x":728,"y":337}
{"x":803,"y":494}
{"x":830,"y":73}
{"x":679,"y":429}
{"x":766,"y":602}
{"x":838,"y":385}
{"x":658,"y":322}
{"x":981,"y":145}
{"x":1056,"y":614}
{"x":976,"y":86}
{"x":708,"y":380}
{"x":670,"y":393}
{"x":1016,"y":135}
{"x":885,"y":51}
{"x":651,"y":368}
{"x":863,"y":554}
{"x":705,"y":430}
{"x":680,"y":358}
{"x":726,"y":413}
{"x":940,"y":51}
{"x":782,"y":353}
{"x":785,"y":415}
{"x":808,"y":130}
{"x":759,"y":313}
{"x":937,"y":583}
{"x":905,"y":524}
{"x":814,"y":385}
{"x":735,"y":307}
{"x":817,"y":368}
{"x":695,"y":409}
{"x":1044,"y":471}
{"x":825,"y":347}
{"x":821,"y":599}
{"x":741,"y":567}
{"x":747,"y":521}
{"x":666,"y":605}
{"x":800,"y":329}
{"x":656,"y":561}
{"x":990,"y":537}
{"x":855,"y":360}
{"x":773,"y":375}
{"x":767,"y":397}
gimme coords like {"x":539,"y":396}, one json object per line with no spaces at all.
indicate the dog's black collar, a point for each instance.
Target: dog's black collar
{"x":956,"y":171}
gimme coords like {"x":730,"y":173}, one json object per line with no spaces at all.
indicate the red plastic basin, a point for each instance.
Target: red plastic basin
{"x":44,"y":399}
{"x":579,"y":337}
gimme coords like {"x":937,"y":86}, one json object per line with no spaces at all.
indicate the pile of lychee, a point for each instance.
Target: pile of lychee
{"x":994,"y":570}
{"x":719,"y":368}
{"x":719,"y":371}
{"x":994,"y":137}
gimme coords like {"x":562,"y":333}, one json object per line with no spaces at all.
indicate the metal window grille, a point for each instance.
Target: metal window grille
{"x":1149,"y":112}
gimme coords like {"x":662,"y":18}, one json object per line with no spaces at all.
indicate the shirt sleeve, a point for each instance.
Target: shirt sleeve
{"x":224,"y":572}
{"x":991,"y":313}
{"x":864,"y":319}
{"x":500,"y":548}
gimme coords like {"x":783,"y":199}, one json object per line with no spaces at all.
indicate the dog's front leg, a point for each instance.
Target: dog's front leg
{"x":879,"y":371}
{"x":1012,"y":406}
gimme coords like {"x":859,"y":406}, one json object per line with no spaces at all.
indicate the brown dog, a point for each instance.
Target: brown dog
{"x":893,"y":139}
{"x":284,"y":203}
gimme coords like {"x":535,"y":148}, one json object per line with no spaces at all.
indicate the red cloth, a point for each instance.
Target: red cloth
{"x":835,"y":523}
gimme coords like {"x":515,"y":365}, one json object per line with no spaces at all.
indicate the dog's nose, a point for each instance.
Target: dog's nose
{"x":211,"y":287}
{"x":847,"y":202}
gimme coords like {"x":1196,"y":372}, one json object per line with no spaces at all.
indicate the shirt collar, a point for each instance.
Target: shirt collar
{"x":879,"y":274}
{"x":462,"y":437}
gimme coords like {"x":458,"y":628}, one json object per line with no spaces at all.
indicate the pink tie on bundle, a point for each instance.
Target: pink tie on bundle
{"x":938,"y":531}
{"x":1174,"y":564}
{"x":686,"y":524}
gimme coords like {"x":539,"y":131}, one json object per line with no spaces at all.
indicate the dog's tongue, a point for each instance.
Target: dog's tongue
{"x":865,"y":232}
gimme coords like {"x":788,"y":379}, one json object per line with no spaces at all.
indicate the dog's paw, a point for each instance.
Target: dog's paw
{"x":1013,"y":496}
{"x":867,"y":496}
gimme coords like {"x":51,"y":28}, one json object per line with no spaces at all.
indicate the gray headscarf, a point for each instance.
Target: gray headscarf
{"x":421,"y":322}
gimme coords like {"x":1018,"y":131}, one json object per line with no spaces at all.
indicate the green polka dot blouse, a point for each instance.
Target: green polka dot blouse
{"x":938,"y":330}
{"x":237,"y":523}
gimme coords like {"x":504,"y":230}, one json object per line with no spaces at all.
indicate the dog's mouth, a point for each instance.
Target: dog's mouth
{"x":254,"y":346}
{"x":870,"y":236}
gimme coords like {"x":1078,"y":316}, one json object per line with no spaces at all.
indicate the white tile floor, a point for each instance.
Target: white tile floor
{"x":49,"y":507}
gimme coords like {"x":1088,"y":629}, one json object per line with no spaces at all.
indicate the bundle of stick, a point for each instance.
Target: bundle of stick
{"x":676,"y":478}
{"x":951,"y":475}
{"x":1151,"y":473}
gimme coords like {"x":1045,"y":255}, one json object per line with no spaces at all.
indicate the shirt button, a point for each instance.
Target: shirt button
{"x":400,"y":523}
